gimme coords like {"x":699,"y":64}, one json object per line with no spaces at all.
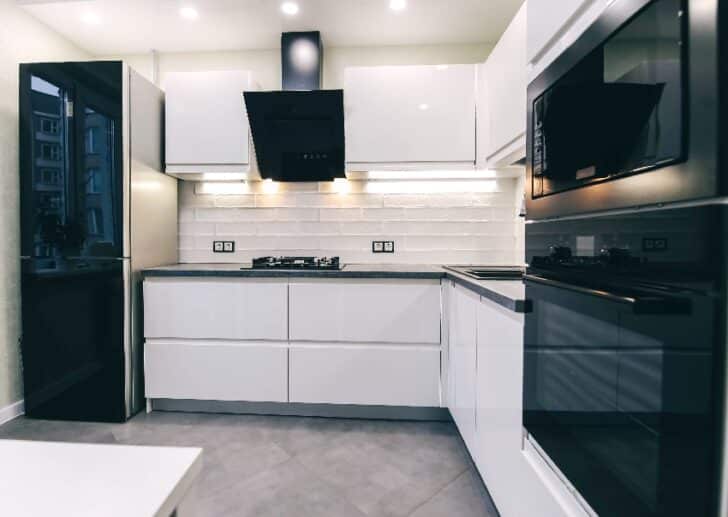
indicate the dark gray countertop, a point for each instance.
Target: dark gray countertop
{"x":507,"y":293}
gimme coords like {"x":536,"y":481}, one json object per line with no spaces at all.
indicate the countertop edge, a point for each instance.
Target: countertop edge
{"x":515,"y":305}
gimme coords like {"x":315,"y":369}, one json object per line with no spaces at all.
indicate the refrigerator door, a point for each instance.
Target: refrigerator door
{"x":73,"y":339}
{"x":71,"y":148}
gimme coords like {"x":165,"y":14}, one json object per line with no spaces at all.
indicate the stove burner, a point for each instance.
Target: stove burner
{"x":319,"y":263}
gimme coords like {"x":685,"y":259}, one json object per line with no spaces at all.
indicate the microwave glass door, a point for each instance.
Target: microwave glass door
{"x":620,"y":111}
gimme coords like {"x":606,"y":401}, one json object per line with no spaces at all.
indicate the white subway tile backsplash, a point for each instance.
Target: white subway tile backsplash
{"x":314,"y":219}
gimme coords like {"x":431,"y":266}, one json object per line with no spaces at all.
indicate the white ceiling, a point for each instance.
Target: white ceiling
{"x":137,"y":26}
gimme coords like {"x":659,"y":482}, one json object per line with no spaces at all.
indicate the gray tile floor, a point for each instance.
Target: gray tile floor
{"x":299,"y":467}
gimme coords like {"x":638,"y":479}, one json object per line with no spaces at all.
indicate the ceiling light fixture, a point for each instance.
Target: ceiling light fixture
{"x":397,"y":5}
{"x":424,"y":107}
{"x":189,"y":13}
{"x":289,"y":8}
{"x":91,"y":19}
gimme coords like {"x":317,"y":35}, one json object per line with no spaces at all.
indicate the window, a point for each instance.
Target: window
{"x":50,"y":152}
{"x":95,"y":221}
{"x":49,"y":126}
{"x":90,"y":140}
{"x":49,"y":177}
{"x":93,"y":181}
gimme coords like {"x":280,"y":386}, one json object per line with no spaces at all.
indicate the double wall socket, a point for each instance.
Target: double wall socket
{"x":382,"y":246}
{"x":223,"y":246}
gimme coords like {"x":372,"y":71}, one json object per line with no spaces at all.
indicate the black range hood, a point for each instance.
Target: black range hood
{"x":298,"y":132}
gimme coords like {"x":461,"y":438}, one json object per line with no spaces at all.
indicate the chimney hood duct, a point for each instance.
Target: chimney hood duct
{"x":298,"y":132}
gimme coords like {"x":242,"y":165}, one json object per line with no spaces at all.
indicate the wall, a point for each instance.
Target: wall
{"x":22,"y":39}
{"x":474,"y":223}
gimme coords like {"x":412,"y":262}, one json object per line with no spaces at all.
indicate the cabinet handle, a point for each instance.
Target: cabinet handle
{"x":642,"y":304}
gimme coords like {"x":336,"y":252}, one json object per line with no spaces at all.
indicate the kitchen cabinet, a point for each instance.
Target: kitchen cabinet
{"x":209,"y":370}
{"x":502,"y":84}
{"x":207,"y":129}
{"x":365,"y":375}
{"x":462,"y":365}
{"x":554,"y":26}
{"x":410,"y":116}
{"x":365,"y":311}
{"x":233,"y":309}
{"x":499,"y":387}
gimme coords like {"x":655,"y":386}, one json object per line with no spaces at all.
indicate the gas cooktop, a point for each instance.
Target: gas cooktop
{"x":318,"y":263}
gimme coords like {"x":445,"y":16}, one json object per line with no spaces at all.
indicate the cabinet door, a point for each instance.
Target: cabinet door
{"x":409,"y":114}
{"x":499,"y":404}
{"x":199,"y":370}
{"x":206,"y":120}
{"x":234,"y":309}
{"x":546,"y":19}
{"x":377,"y":375}
{"x":505,"y":72}
{"x":462,"y":348}
{"x":366,"y":311}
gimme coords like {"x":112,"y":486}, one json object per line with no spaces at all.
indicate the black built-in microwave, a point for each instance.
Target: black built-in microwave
{"x":630,"y":114}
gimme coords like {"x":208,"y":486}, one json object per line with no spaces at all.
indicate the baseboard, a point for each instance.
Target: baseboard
{"x":306,"y":410}
{"x":12,"y":411}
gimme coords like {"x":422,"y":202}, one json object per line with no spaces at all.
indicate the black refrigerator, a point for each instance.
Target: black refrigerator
{"x":96,"y":209}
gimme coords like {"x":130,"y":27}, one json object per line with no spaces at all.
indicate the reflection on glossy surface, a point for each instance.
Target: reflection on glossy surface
{"x":623,"y":401}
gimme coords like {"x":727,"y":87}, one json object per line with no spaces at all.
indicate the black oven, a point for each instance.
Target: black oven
{"x":624,"y":357}
{"x":628,"y":116}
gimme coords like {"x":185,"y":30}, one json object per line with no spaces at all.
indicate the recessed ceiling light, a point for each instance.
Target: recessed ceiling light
{"x":289,"y":8}
{"x":424,"y":106}
{"x":91,"y":19}
{"x":189,"y":13}
{"x":397,"y":5}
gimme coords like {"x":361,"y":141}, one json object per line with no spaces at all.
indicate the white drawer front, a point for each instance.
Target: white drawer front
{"x":365,"y":375}
{"x":369,"y":311}
{"x":214,"y":371}
{"x":227,"y":308}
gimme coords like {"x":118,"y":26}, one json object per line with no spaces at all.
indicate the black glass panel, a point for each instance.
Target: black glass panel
{"x":71,"y":166}
{"x":621,"y":353}
{"x":619,"y":111}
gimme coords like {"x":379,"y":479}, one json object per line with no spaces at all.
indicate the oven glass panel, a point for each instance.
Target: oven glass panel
{"x":621,"y":354}
{"x":619,"y":111}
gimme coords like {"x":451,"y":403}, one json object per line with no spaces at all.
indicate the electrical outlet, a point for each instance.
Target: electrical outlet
{"x":377,"y":247}
{"x":650,"y":245}
{"x":388,"y":246}
{"x":223,"y":246}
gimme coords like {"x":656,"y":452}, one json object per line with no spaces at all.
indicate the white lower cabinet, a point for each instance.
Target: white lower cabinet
{"x":499,"y":389}
{"x":379,"y":375}
{"x":462,"y":361}
{"x":204,"y":370}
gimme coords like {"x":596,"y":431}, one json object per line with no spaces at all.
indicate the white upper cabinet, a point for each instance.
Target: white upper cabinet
{"x":502,"y":84}
{"x":410,"y":116}
{"x":554,"y":26}
{"x":206,"y":122}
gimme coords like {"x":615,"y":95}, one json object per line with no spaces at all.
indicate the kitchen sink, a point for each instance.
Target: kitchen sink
{"x":489,"y":272}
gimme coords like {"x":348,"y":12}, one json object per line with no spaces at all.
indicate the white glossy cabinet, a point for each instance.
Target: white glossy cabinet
{"x":202,"y":370}
{"x":365,"y":311}
{"x":227,"y":308}
{"x":402,"y":116}
{"x":554,"y":26}
{"x":365,"y":375}
{"x":502,"y":97}
{"x":207,"y":127}
{"x":499,"y":389}
{"x":462,"y":361}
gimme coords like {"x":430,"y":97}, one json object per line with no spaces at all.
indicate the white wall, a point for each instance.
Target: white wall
{"x":476,"y":224}
{"x":22,"y":39}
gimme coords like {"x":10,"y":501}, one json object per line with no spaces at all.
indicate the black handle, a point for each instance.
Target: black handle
{"x":640,"y":304}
